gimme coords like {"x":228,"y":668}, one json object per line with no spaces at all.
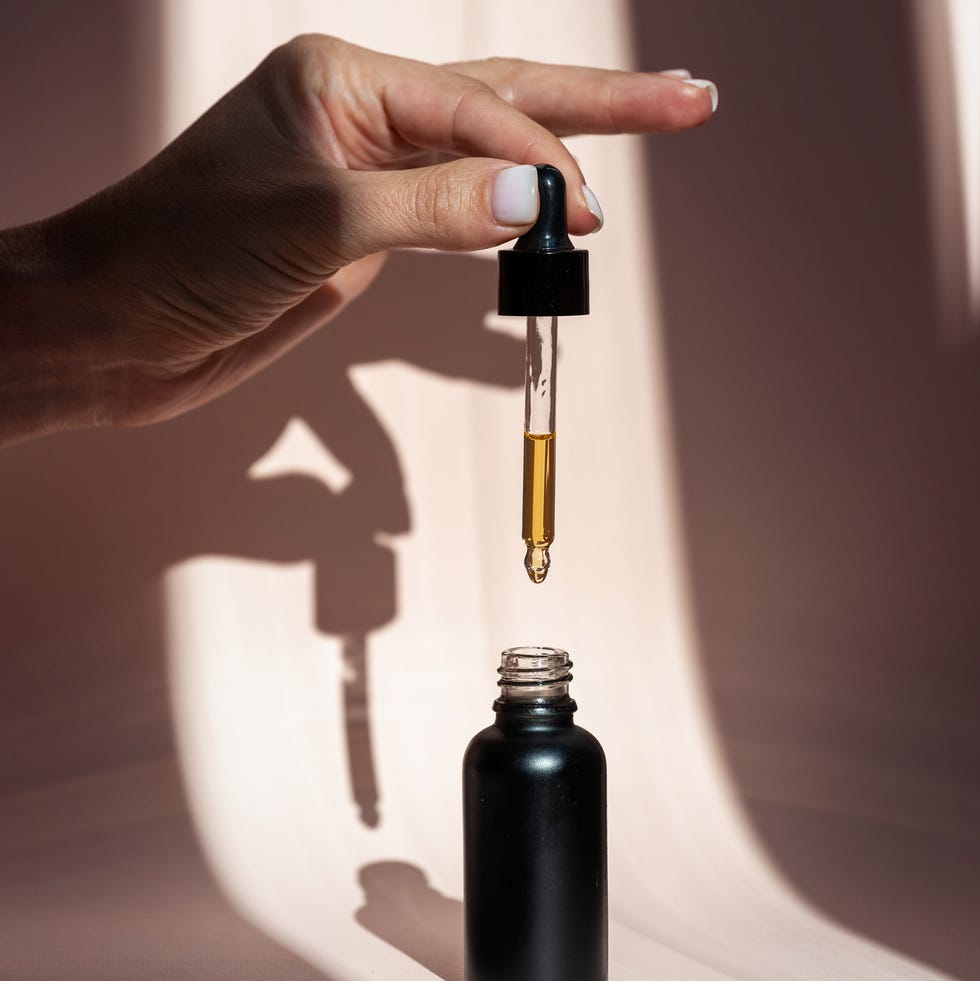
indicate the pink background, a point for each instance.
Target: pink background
{"x":825,"y":443}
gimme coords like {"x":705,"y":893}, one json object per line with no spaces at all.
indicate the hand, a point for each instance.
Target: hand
{"x":274,"y":209}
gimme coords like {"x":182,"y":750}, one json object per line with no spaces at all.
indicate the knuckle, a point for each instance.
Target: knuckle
{"x":506,"y":66}
{"x":290,"y":80}
{"x":300,"y":62}
{"x":302,"y":47}
{"x":436,"y":198}
{"x":288,"y":54}
{"x":505,"y":73}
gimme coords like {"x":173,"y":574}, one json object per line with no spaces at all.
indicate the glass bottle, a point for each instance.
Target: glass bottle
{"x":534,"y":803}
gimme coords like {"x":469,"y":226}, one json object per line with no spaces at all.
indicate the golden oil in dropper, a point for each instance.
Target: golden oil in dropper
{"x":539,"y":502}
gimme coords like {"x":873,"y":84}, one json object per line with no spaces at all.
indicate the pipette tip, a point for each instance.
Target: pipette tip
{"x":537,"y":562}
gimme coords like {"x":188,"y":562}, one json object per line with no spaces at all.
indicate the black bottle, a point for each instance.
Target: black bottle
{"x":534,"y":811}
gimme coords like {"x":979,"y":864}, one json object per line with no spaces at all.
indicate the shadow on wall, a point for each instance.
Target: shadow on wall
{"x":100,"y":871}
{"x":100,"y":514}
{"x":402,"y":909}
{"x":829,"y":458}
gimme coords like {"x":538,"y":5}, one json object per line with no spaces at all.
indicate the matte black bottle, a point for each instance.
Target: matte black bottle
{"x":534,"y":800}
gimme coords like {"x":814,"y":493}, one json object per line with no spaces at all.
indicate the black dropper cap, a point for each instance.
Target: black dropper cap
{"x":544,"y":274}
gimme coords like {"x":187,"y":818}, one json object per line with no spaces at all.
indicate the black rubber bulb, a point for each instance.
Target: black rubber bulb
{"x":550,"y":232}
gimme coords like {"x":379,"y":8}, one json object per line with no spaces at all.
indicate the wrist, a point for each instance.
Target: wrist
{"x":54,"y":373}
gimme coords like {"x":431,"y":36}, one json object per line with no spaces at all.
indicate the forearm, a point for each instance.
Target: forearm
{"x":53,"y":373}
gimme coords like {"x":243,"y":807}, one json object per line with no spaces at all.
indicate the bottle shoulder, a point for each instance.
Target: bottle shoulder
{"x":496,"y":744}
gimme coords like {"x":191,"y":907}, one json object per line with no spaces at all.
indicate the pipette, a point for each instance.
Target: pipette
{"x":543,"y":277}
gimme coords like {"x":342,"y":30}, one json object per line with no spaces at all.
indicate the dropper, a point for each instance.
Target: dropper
{"x":543,"y":277}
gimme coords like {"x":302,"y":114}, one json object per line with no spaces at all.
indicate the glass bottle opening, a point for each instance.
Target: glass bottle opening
{"x":534,"y":674}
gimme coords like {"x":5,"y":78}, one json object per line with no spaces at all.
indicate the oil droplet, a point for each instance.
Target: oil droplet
{"x":537,"y":562}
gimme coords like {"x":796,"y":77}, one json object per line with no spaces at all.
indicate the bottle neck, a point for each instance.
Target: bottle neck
{"x":534,"y":685}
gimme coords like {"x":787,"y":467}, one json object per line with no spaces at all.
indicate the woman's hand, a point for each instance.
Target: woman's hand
{"x":274,"y":210}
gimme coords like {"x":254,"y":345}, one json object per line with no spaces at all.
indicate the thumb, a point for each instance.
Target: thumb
{"x":464,"y":205}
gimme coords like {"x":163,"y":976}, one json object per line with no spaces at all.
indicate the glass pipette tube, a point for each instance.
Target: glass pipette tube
{"x":539,"y":444}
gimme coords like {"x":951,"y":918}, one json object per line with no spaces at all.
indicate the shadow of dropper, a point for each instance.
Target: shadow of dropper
{"x":357,"y":727}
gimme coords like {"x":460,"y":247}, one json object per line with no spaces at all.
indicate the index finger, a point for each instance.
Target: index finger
{"x":568,"y":99}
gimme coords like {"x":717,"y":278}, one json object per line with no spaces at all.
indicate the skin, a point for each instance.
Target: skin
{"x":274,"y":210}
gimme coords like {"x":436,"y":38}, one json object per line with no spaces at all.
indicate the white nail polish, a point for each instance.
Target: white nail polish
{"x":514,"y":199}
{"x":682,"y":73}
{"x":703,"y":83}
{"x":593,"y":205}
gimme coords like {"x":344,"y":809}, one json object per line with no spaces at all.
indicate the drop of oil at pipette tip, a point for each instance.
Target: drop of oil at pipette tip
{"x":536,"y":562}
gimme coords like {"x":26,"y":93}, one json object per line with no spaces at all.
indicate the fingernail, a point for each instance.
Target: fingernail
{"x":677,"y":73}
{"x":514,"y":199}
{"x":703,"y":83}
{"x":592,"y":202}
